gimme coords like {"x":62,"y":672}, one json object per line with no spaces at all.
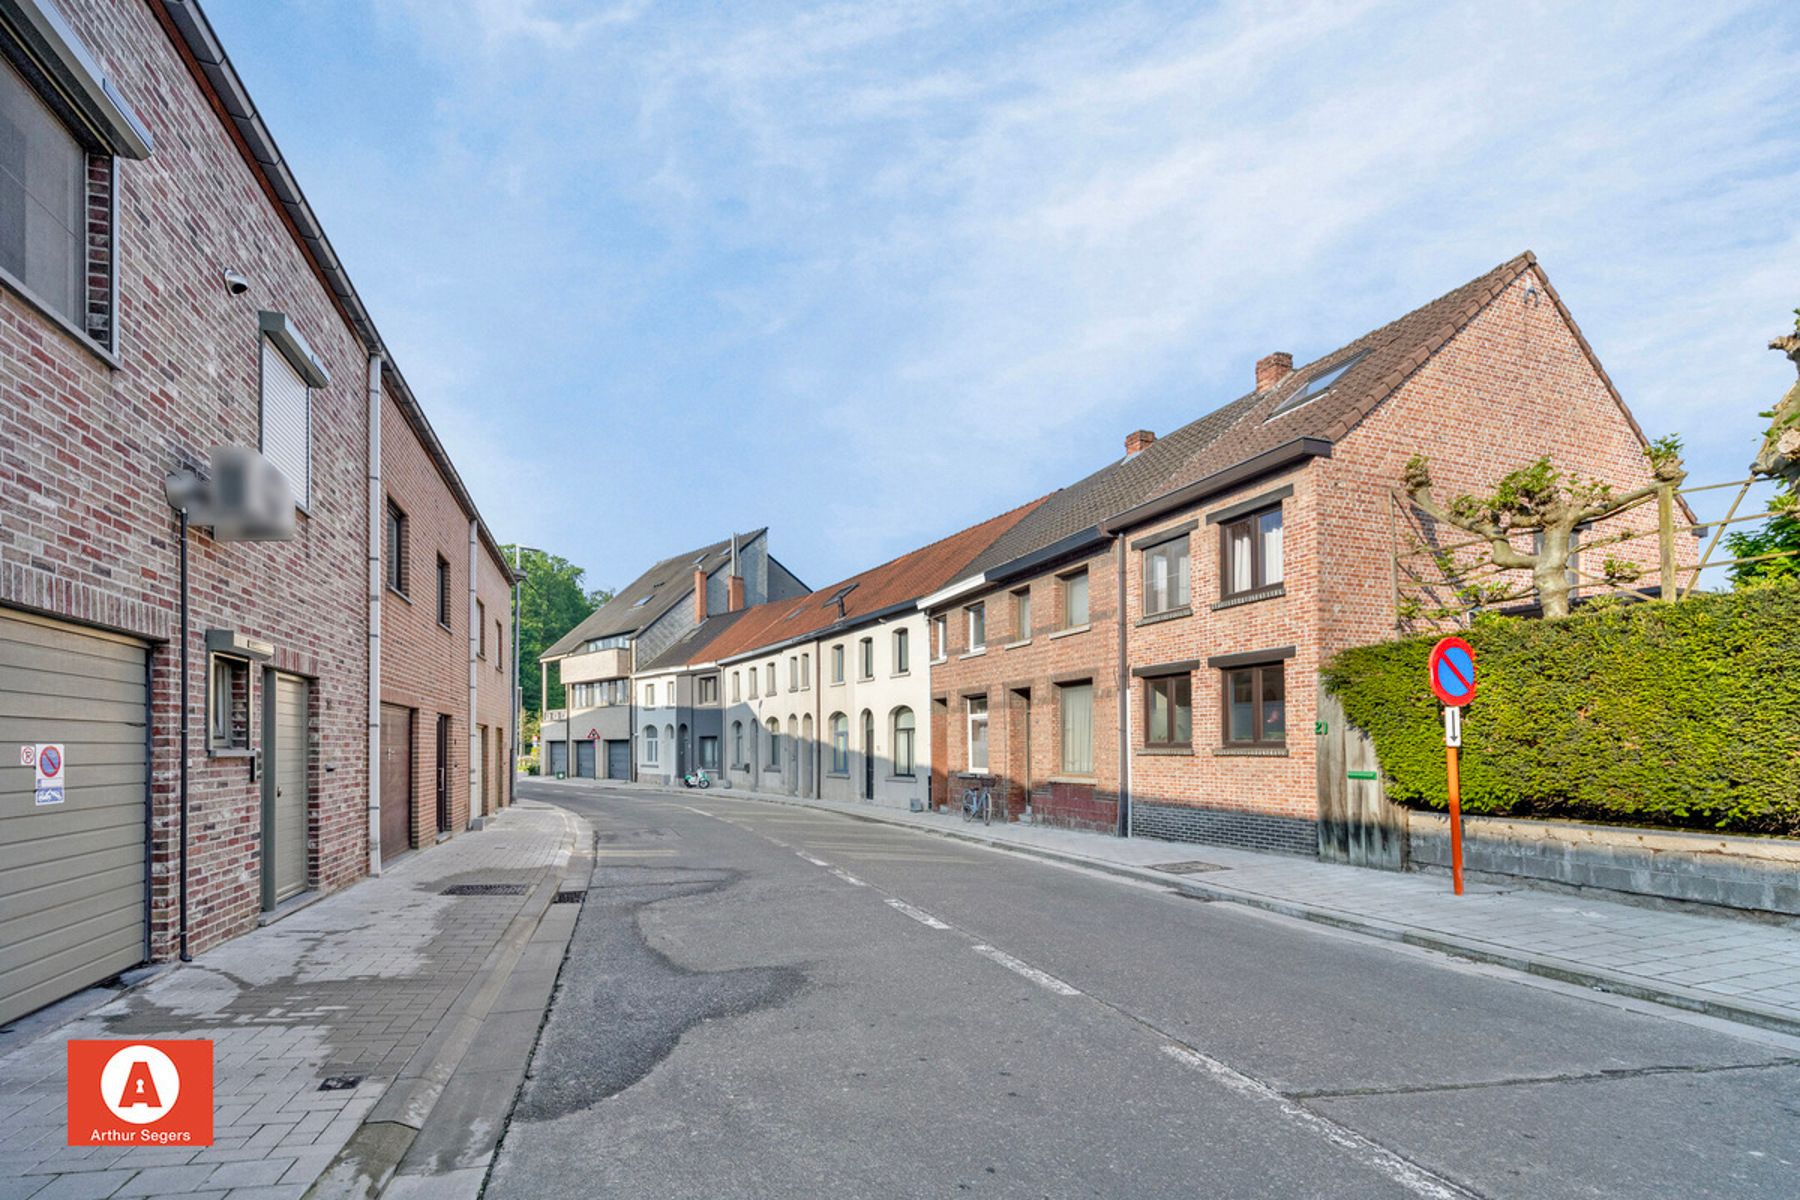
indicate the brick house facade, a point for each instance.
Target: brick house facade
{"x":201,"y":286}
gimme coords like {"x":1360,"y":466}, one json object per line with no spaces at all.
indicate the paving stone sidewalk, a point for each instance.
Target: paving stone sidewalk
{"x":1735,"y":967}
{"x":349,"y":987}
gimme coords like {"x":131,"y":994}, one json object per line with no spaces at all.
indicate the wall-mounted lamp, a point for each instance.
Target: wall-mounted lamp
{"x":236,"y":282}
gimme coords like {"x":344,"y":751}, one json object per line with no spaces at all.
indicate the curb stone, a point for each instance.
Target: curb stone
{"x":1546,"y":966}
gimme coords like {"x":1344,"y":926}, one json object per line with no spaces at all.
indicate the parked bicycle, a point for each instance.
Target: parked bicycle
{"x":697,"y":779}
{"x":977,"y":805}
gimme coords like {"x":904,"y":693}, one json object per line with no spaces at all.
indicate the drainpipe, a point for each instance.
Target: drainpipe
{"x":1124,"y":677}
{"x":377,"y":527}
{"x":818,"y":738}
{"x":474,"y":656}
{"x":185,"y":635}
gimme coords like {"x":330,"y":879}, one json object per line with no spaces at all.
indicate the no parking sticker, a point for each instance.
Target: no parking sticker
{"x":50,"y":767}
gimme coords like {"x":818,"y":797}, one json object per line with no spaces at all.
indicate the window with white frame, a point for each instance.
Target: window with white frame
{"x":806,"y":672}
{"x":840,"y":744}
{"x":1075,"y":599}
{"x":904,"y":733}
{"x":753,"y":683}
{"x":793,"y":672}
{"x":865,"y":658}
{"x":650,"y":744}
{"x":978,"y":733}
{"x":940,"y":638}
{"x":287,"y":420}
{"x":902,"y":652}
{"x":737,"y":687}
{"x":1022,"y":614}
{"x":837,"y":663}
{"x":769,"y":679}
{"x":649,"y":695}
{"x":977,"y":617}
{"x":709,"y":752}
{"x":1076,"y":701}
{"x":774,"y":760}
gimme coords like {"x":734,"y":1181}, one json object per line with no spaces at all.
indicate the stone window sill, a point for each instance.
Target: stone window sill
{"x":1017,"y":645}
{"x":1171,"y":751}
{"x":1085,"y":780}
{"x":972,"y":654}
{"x":1172,"y":614}
{"x":1250,"y":752}
{"x":1268,"y":593}
{"x":901,"y":675}
{"x":1071,"y":631}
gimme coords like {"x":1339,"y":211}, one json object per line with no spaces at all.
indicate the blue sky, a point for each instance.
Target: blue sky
{"x":868,"y":273}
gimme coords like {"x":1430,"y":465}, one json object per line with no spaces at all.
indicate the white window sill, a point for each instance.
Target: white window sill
{"x":972,"y":654}
{"x":900,"y":675}
{"x":1071,"y":631}
{"x":1017,"y":645}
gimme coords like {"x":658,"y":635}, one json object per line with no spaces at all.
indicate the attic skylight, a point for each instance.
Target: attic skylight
{"x":1320,"y":383}
{"x":641,"y":601}
{"x":837,"y":597}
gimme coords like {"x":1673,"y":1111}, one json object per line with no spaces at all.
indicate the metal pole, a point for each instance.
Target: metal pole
{"x":1452,"y":747}
{"x":512,"y":782}
{"x":183,"y":888}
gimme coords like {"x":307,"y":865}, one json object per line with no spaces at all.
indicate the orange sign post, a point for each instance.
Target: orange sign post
{"x":1452,"y":675}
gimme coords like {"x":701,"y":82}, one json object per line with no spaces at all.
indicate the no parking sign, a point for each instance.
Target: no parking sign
{"x":48,"y":758}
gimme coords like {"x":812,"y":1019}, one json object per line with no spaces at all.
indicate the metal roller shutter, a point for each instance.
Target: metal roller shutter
{"x":72,"y":875}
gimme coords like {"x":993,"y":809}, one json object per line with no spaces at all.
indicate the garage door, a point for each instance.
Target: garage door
{"x":618,"y":760}
{"x":559,"y":758}
{"x":72,"y":875}
{"x":584,"y":759}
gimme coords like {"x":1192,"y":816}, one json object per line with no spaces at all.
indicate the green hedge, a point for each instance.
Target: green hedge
{"x":1684,"y":714}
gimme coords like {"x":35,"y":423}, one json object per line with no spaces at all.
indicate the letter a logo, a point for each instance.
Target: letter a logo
{"x":140,"y":1084}
{"x":140,"y":1087}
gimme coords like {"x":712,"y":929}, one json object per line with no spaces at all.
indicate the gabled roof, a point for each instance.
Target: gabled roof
{"x":690,"y":647}
{"x":892,"y":585}
{"x":648,"y":596}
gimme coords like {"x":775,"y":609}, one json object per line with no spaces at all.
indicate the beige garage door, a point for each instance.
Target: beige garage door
{"x":72,"y":875}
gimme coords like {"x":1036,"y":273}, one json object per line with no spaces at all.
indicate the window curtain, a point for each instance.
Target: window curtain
{"x":1078,"y":728}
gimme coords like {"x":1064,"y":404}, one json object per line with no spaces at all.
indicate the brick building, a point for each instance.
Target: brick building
{"x":1179,"y":602}
{"x":165,"y":290}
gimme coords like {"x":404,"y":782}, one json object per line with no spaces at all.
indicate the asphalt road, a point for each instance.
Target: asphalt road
{"x":765,"y":1000}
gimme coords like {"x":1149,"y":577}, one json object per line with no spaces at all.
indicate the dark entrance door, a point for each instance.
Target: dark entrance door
{"x":868,"y":755}
{"x":443,"y":773}
{"x":618,"y":760}
{"x":681,"y":750}
{"x":396,"y":781}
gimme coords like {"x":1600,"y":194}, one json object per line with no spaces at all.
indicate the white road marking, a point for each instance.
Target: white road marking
{"x":847,"y":877}
{"x":1408,"y":1175}
{"x":1030,"y":972}
{"x":917,"y":914}
{"x":817,"y":862}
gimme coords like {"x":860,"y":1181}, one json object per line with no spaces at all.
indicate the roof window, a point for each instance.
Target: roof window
{"x":1320,"y":383}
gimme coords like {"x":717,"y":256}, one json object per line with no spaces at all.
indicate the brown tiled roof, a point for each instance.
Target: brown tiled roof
{"x":648,"y":596}
{"x":897,"y":581}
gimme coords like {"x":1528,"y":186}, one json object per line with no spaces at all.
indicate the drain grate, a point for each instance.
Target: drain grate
{"x":484,"y":889}
{"x":570,"y":897}
{"x":340,"y":1083}
{"x":1192,"y":867}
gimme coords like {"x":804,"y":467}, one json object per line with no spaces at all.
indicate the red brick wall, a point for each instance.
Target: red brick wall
{"x":493,"y":679}
{"x":85,"y":532}
{"x":1047,"y":658}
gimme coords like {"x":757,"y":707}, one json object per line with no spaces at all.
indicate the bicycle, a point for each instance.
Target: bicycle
{"x":978,"y":804}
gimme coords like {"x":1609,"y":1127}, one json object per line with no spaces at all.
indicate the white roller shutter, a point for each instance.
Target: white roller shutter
{"x":287,"y":421}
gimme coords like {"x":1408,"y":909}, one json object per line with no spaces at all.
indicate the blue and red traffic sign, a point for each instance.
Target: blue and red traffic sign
{"x":1452,"y":671}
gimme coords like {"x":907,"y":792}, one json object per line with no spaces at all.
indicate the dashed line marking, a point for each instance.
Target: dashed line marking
{"x":1407,"y":1174}
{"x":817,"y":862}
{"x":917,"y":914}
{"x":847,"y":877}
{"x":1041,"y":978}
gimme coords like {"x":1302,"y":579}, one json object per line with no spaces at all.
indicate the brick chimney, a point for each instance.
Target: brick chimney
{"x":1272,"y":369}
{"x":1138,"y":440}
{"x":699,"y":595}
{"x":734,"y":593}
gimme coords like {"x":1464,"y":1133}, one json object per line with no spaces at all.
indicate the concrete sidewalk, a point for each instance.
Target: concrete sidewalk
{"x":1738,"y":968}
{"x":362,"y":1004}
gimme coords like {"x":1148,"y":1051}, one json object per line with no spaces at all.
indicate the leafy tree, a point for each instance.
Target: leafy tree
{"x":553,"y":599}
{"x":1779,"y":535}
{"x":1540,"y":500}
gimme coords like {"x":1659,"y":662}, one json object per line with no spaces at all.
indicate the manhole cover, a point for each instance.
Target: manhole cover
{"x":569,"y":897}
{"x":484,"y":889}
{"x":1192,"y":867}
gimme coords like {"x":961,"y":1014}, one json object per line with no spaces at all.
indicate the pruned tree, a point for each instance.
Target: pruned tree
{"x":1540,"y":501}
{"x":1779,"y":457}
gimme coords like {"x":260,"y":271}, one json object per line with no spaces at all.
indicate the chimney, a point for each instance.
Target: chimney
{"x":734,"y":593}
{"x":1272,"y":369}
{"x":1138,"y":440}
{"x":699,"y":595}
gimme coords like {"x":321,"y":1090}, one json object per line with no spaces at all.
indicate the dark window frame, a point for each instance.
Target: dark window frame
{"x":1169,"y":684}
{"x":443,"y":596}
{"x":398,"y":568}
{"x":1186,"y":576}
{"x":1258,"y":566}
{"x":1256,"y":672}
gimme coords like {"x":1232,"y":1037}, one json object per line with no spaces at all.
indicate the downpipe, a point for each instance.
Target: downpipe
{"x":377,"y":529}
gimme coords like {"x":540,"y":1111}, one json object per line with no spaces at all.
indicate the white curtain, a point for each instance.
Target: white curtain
{"x":1078,"y":728}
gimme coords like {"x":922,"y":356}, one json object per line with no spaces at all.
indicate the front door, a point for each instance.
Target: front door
{"x":286,"y":788}
{"x":443,"y":773}
{"x":478,"y":771}
{"x":396,"y":781}
{"x":868,"y":756}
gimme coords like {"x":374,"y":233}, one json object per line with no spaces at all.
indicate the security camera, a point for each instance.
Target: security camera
{"x":236,"y":282}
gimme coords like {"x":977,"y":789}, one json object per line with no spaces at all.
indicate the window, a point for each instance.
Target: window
{"x":617,"y":641}
{"x":840,"y":744}
{"x":1169,"y":711}
{"x":44,"y":196}
{"x":649,"y":695}
{"x":737,"y":744}
{"x":481,"y":630}
{"x":443,"y":591}
{"x":865,"y":658}
{"x":774,"y":760}
{"x":706,"y":689}
{"x":903,"y":741}
{"x":396,"y":549}
{"x":499,"y":646}
{"x":977,"y":627}
{"x":1077,"y":703}
{"x":978,"y":733}
{"x":1256,"y":706}
{"x":902,"y":652}
{"x":1075,"y":599}
{"x":228,"y":704}
{"x":1022,"y":615}
{"x":753,"y":683}
{"x":650,"y":744}
{"x":837,"y":664}
{"x":709,"y":752}
{"x":806,"y":672}
{"x":1318,"y":385}
{"x":737,"y":687}
{"x":769,"y":679}
{"x":940,"y":638}
{"x":286,"y":419}
{"x":1250,"y":553}
{"x":1165,"y":582}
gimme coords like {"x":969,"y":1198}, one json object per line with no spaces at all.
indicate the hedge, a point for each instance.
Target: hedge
{"x":1684,"y":714}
